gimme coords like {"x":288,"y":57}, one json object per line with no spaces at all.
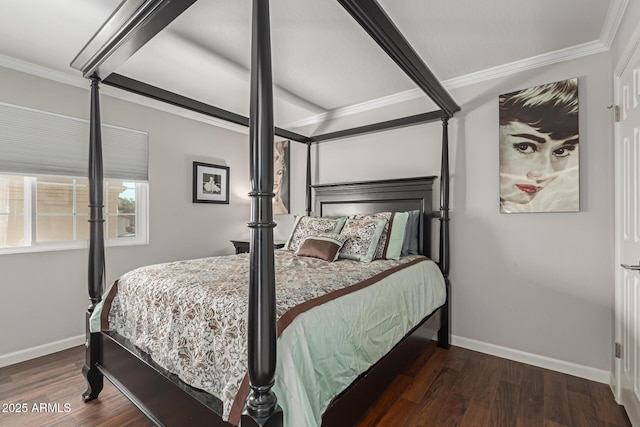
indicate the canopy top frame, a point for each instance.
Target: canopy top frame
{"x":135,"y":22}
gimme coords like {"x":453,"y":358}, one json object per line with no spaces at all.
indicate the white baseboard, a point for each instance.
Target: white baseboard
{"x":581,"y":371}
{"x":569,"y":368}
{"x":41,"y":350}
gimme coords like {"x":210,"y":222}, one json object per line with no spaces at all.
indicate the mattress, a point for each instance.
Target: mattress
{"x":335,"y":320}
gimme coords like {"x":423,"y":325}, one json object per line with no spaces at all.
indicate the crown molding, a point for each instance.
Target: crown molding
{"x":81,"y":82}
{"x":628,"y":52}
{"x":409,"y":95}
{"x":361,"y":107}
{"x":612,"y":21}
{"x":527,"y":64}
{"x":458,"y":82}
{"x":609,"y":29}
{"x":505,"y":70}
{"x":44,"y":72}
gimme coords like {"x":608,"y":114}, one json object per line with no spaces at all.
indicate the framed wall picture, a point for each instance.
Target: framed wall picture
{"x":210,"y":183}
{"x":281,"y":178}
{"x":539,"y":161}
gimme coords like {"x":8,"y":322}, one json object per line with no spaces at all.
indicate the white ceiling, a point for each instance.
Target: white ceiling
{"x":327,"y":73}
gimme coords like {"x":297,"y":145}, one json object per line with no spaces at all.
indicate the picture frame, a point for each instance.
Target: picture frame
{"x":210,"y":183}
{"x":539,"y":148}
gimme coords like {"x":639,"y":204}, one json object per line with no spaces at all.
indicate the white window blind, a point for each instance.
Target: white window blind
{"x":36,"y":142}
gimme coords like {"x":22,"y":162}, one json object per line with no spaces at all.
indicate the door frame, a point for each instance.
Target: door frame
{"x":616,"y":385}
{"x":630,"y":49}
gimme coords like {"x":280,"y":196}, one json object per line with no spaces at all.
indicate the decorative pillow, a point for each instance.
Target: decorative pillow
{"x":395,"y":239}
{"x":392,"y":238}
{"x":325,"y":246}
{"x":411,"y":239}
{"x":309,"y":225}
{"x":382,"y":242}
{"x":363,"y":235}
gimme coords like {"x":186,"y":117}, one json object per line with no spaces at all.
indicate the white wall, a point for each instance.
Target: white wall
{"x":536,"y":283}
{"x":44,"y":295}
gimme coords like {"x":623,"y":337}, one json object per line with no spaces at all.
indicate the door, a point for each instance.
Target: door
{"x":627,"y":183}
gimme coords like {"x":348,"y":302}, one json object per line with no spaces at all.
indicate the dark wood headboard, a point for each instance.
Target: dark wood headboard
{"x":395,"y":195}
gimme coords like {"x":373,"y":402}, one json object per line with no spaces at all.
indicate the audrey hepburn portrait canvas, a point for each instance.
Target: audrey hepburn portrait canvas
{"x":539,"y":145}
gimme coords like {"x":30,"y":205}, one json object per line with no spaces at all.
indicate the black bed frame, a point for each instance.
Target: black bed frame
{"x":164,"y":400}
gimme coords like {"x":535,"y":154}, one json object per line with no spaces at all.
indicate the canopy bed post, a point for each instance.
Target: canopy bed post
{"x":443,"y":333}
{"x":308,"y":179}
{"x":96,"y":244}
{"x":261,"y":407}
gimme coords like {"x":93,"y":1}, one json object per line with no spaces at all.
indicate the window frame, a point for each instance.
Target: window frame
{"x":30,"y":218}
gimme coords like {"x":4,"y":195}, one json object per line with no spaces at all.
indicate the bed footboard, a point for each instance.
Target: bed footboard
{"x":163,"y":400}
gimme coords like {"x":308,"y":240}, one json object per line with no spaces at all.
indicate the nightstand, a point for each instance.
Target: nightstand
{"x":242,"y":246}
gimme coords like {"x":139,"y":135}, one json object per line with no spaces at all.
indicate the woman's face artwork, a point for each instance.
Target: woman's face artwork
{"x":278,"y":173}
{"x":280,"y":180}
{"x":539,"y":164}
{"x":530,"y":160}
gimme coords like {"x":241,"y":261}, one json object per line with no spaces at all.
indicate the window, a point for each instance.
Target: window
{"x":11,"y":211}
{"x":44,"y":194}
{"x":50,"y":213}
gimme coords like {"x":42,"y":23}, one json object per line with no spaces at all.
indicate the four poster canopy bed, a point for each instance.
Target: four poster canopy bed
{"x":350,"y":300}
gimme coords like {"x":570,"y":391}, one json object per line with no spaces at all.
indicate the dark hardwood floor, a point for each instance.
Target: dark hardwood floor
{"x":459,"y":387}
{"x":455,"y":387}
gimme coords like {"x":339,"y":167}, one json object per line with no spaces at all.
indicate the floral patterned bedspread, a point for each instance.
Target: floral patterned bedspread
{"x":191,"y":316}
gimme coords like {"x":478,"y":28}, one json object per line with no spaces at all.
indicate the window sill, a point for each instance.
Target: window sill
{"x":66,"y":246}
